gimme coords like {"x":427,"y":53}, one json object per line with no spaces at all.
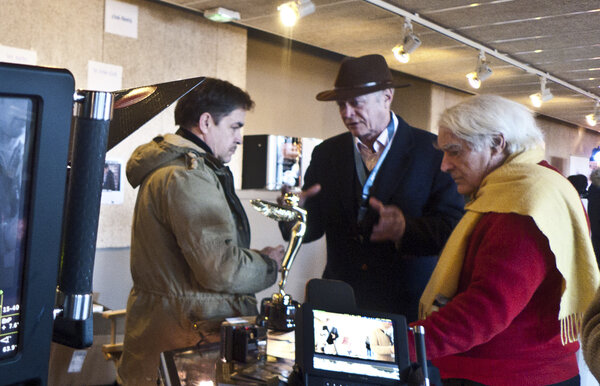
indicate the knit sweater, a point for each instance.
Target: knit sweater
{"x":502,"y":327}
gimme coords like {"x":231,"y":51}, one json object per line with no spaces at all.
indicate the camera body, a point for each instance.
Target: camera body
{"x":243,"y":342}
{"x":278,"y":313}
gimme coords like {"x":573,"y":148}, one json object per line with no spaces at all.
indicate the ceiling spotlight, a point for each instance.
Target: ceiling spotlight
{"x":221,"y":15}
{"x":592,"y":118}
{"x":410,"y":42}
{"x":481,"y":73}
{"x":543,"y":96}
{"x":290,"y":12}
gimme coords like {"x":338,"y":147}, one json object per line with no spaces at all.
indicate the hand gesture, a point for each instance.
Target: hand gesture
{"x":304,"y":194}
{"x":276,"y":253}
{"x":391,"y":224}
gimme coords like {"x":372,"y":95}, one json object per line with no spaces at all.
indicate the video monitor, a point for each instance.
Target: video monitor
{"x":357,"y":347}
{"x":17,"y":117}
{"x":35,"y":118}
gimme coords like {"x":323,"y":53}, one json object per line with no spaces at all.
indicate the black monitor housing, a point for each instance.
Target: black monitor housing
{"x":49,"y":212}
{"x":349,"y":356}
{"x":35,"y":119}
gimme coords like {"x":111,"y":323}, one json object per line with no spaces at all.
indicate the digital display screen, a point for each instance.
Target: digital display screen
{"x":17,"y":119}
{"x":354,"y":344}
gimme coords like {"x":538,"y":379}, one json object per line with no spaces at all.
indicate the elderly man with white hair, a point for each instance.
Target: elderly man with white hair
{"x":504,"y":304}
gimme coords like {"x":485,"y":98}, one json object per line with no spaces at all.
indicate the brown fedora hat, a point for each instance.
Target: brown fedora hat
{"x":359,"y":76}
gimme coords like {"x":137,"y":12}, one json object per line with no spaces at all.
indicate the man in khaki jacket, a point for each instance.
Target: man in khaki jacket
{"x":190,"y":258}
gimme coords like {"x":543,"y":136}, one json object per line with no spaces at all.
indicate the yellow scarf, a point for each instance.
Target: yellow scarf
{"x":523,"y":187}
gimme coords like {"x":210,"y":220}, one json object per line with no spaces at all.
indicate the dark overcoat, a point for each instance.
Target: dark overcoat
{"x":384,"y":276}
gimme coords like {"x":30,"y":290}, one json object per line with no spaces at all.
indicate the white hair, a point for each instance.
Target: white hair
{"x":480,"y":120}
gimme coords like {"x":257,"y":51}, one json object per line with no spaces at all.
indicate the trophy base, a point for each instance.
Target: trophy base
{"x":278,"y":313}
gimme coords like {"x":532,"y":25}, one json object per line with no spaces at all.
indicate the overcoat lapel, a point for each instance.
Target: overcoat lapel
{"x":346,"y":182}
{"x":395,"y":165}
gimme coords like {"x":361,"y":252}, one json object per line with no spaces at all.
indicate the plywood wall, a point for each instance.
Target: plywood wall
{"x":283,"y":79}
{"x":172,"y":44}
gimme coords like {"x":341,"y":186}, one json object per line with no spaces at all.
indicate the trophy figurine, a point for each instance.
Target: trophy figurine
{"x":278,"y":312}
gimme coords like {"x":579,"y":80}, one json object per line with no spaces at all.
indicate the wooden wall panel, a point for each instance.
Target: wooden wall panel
{"x":283,"y":80}
{"x":171,"y":44}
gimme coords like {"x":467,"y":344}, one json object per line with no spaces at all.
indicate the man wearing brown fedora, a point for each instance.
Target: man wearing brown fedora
{"x":378,"y":194}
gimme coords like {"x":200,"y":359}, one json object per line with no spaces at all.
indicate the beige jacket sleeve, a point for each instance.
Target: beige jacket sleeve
{"x":206,"y":233}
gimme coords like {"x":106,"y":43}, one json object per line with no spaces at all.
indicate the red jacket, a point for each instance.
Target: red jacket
{"x":502,"y":327}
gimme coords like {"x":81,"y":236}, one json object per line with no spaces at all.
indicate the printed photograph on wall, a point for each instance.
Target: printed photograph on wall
{"x":112,"y":183}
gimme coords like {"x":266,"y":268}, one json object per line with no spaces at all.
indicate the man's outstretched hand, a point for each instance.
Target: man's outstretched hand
{"x":305,"y":194}
{"x":391,"y":224}
{"x":276,"y":253}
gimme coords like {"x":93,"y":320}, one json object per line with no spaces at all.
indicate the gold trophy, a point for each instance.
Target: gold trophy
{"x":278,"y":312}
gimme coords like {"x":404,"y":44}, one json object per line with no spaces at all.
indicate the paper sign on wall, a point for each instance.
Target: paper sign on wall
{"x":104,"y":77}
{"x":17,"y":55}
{"x":121,"y":18}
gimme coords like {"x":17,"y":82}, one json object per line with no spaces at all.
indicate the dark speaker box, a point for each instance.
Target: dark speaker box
{"x":254,"y":161}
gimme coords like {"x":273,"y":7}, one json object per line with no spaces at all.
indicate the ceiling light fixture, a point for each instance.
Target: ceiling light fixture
{"x":544,"y":95}
{"x":415,"y":18}
{"x":221,"y":15}
{"x":481,"y":73}
{"x":592,"y":118}
{"x":291,"y":11}
{"x":410,"y":42}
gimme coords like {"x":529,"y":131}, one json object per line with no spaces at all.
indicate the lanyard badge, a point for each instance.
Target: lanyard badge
{"x":367,"y":182}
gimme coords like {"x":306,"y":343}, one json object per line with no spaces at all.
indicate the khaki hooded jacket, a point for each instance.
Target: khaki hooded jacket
{"x":190,"y":261}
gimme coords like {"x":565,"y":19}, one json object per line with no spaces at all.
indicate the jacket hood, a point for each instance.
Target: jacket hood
{"x":156,"y":153}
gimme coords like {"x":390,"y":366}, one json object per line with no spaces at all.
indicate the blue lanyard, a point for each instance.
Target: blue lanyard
{"x":391,"y":129}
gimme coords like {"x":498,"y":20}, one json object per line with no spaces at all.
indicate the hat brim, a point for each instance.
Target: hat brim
{"x":352,"y":92}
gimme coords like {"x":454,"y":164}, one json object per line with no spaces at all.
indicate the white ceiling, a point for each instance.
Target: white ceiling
{"x":560,"y":38}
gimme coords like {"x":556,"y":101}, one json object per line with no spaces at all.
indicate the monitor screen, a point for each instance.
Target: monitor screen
{"x":355,"y":344}
{"x":17,"y":117}
{"x":36,"y":105}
